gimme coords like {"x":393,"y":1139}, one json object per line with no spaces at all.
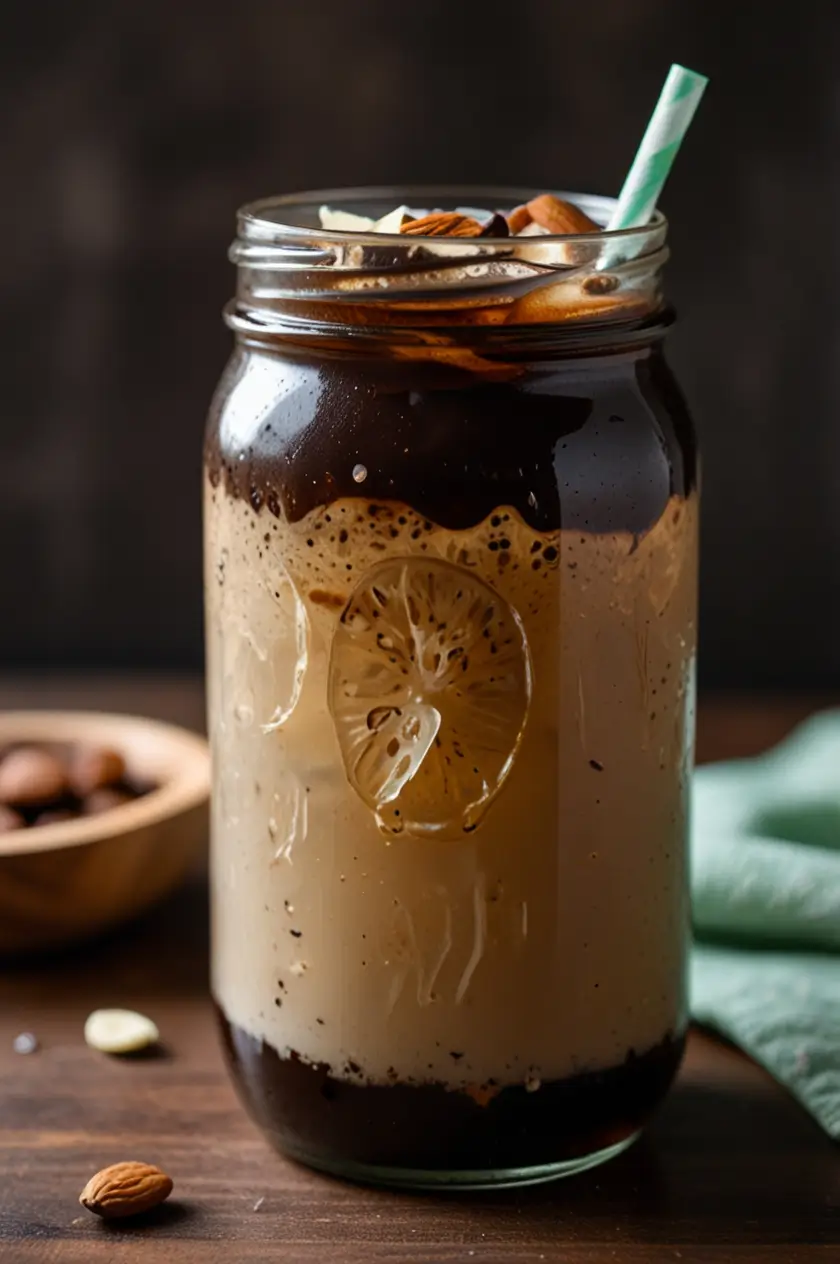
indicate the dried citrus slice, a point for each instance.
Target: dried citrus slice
{"x":429,"y":688}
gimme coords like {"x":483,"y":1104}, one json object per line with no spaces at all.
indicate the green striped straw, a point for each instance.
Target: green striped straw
{"x":668,"y":125}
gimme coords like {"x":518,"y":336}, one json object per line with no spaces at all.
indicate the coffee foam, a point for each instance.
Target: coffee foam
{"x":548,"y":941}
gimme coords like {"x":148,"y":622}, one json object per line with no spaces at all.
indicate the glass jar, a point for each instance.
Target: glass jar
{"x":451,"y":571}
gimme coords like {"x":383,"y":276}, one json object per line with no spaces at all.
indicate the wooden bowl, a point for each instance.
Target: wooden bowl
{"x":66,"y":881}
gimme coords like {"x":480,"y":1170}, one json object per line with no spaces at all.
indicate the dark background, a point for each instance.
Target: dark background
{"x":131,"y":132}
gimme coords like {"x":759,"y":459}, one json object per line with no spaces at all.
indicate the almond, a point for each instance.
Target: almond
{"x":10,"y":820}
{"x":344,"y":221}
{"x":559,"y":217}
{"x":125,"y":1189}
{"x":56,"y":816}
{"x":94,"y":766}
{"x":443,"y":224}
{"x":393,"y":221}
{"x":519,"y":218}
{"x":120,"y":1031}
{"x":30,"y":776}
{"x":104,"y":799}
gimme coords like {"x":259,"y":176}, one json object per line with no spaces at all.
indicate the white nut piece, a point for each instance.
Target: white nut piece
{"x":120,"y":1031}
{"x":344,"y":221}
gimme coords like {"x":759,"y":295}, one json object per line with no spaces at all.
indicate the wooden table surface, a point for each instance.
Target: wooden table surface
{"x":732,"y":1169}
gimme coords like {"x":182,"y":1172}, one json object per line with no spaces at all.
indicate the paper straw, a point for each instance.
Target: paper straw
{"x":668,"y":125}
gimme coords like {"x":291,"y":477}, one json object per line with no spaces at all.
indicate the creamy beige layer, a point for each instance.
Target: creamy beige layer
{"x":551,"y":939}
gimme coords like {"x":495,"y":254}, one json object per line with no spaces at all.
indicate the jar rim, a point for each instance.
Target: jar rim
{"x":296,"y":277}
{"x":257,"y":223}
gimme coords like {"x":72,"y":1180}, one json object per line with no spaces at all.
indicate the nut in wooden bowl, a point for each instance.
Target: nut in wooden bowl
{"x":77,"y":873}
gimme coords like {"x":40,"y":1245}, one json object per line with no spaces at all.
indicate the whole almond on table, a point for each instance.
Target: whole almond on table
{"x":30,"y":776}
{"x":125,"y":1189}
{"x":559,"y":217}
{"x":442,"y":224}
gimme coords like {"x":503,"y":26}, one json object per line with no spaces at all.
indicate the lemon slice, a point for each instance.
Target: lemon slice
{"x":429,"y":688}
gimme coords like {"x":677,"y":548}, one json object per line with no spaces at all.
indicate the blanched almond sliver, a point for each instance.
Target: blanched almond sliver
{"x":120,"y":1031}
{"x":344,"y":221}
{"x":393,"y":221}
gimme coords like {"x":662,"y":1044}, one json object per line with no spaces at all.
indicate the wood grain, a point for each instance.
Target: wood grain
{"x":732,"y":1171}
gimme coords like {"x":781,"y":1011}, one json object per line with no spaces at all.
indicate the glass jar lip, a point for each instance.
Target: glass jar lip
{"x":256,"y":223}
{"x":298,"y":276}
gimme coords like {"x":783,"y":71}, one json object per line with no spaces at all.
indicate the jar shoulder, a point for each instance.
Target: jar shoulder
{"x":600,"y":444}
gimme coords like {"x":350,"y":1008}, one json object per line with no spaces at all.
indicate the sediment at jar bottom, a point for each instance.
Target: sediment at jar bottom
{"x":317,"y":1117}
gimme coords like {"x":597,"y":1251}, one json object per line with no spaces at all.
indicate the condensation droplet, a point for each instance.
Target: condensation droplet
{"x":359,"y":473}
{"x":479,"y":937}
{"x":243,"y":713}
{"x":532,"y":500}
{"x":287,"y":826}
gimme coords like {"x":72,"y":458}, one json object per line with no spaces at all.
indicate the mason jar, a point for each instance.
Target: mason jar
{"x":451,"y":574}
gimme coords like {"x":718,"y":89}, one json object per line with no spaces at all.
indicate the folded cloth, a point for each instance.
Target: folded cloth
{"x":765,"y":889}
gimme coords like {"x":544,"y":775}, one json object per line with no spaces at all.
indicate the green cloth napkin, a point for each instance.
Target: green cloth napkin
{"x":765,"y":885}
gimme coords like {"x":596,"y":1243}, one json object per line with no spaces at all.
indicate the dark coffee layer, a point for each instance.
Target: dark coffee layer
{"x":314,"y":1116}
{"x":596,"y":445}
